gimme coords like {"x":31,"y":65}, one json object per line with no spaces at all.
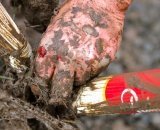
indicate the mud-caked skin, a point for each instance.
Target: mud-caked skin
{"x":79,"y":43}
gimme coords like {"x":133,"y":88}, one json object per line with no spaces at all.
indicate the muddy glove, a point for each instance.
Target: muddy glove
{"x":79,"y":43}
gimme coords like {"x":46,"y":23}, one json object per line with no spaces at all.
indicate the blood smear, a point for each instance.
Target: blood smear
{"x":42,"y":51}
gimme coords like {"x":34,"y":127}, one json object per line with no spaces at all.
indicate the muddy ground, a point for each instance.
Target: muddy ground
{"x":139,"y":51}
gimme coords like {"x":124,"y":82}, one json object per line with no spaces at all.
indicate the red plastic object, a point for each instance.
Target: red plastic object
{"x":134,"y":92}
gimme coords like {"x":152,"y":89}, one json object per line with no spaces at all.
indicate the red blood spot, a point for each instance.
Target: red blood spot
{"x":42,"y":51}
{"x":59,"y":58}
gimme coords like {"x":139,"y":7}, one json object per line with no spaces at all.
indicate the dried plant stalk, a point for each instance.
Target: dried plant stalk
{"x":12,"y":42}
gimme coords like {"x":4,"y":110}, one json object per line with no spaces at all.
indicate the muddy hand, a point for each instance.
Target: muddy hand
{"x":79,"y":43}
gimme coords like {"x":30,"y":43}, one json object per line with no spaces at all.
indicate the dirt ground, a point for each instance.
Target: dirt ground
{"x":139,"y":51}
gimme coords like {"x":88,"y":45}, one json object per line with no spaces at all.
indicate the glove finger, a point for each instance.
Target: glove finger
{"x":45,"y":64}
{"x":123,"y":5}
{"x":82,"y":75}
{"x":46,"y":57}
{"x":89,"y":69}
{"x":62,"y":83}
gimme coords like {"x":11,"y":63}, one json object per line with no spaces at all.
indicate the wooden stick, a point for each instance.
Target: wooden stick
{"x":121,"y":94}
{"x":12,"y":42}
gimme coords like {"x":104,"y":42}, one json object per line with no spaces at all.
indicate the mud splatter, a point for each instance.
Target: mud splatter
{"x":56,"y":40}
{"x":58,"y":34}
{"x":99,"y":46}
{"x":75,"y":41}
{"x":63,"y":51}
{"x":62,"y":82}
{"x":70,"y":54}
{"x":135,"y":81}
{"x":76,"y":9}
{"x":103,"y":25}
{"x":54,"y":58}
{"x":95,"y":16}
{"x":64,"y":23}
{"x":90,"y":30}
{"x":74,"y":28}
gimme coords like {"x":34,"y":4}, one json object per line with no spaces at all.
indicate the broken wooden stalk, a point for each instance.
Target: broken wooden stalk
{"x":13,"y":43}
{"x":120,"y":94}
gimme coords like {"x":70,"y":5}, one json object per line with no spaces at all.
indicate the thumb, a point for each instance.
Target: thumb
{"x":123,"y":4}
{"x":62,"y":84}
